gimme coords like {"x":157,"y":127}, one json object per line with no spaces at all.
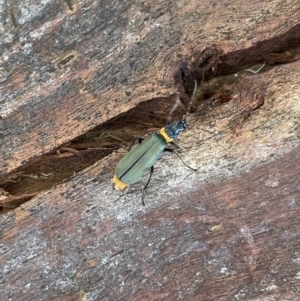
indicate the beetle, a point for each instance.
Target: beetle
{"x":142,"y":158}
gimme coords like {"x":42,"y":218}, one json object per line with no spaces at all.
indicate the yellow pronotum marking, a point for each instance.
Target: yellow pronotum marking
{"x":165,"y":135}
{"x":119,"y":185}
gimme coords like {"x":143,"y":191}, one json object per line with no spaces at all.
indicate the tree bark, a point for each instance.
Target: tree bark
{"x":230,"y":230}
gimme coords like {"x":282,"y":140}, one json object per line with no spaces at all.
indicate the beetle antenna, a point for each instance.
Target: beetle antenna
{"x":191,"y":101}
{"x":176,"y":104}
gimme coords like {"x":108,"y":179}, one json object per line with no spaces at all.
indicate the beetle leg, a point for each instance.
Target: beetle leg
{"x":173,"y":151}
{"x":140,"y":140}
{"x":175,"y":145}
{"x":144,"y":188}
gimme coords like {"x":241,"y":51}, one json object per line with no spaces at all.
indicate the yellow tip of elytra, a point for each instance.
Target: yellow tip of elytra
{"x":119,"y":185}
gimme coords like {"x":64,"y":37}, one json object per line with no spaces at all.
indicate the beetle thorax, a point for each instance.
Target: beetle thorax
{"x":173,"y":130}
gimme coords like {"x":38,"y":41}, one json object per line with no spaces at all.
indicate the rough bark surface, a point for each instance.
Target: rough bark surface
{"x":229,"y":231}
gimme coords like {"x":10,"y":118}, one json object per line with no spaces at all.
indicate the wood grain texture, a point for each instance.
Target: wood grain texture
{"x":229,"y":231}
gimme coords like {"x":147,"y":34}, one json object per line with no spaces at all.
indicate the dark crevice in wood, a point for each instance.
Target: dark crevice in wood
{"x":66,"y":60}
{"x":213,"y":63}
{"x":44,"y":172}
